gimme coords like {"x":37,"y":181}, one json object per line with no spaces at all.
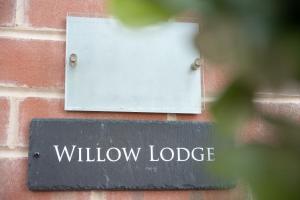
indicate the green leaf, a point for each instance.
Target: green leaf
{"x":272,"y":171}
{"x":139,"y":12}
{"x":233,"y":107}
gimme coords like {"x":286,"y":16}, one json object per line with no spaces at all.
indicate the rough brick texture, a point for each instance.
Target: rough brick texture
{"x":4,"y":114}
{"x":124,"y":195}
{"x":7,"y":12}
{"x":215,"y":79}
{"x":52,"y":14}
{"x":53,"y":108}
{"x":290,"y":110}
{"x":166,"y":195}
{"x":258,"y":130}
{"x":205,"y":116}
{"x":13,"y":181}
{"x":233,"y":194}
{"x":32,"y":63}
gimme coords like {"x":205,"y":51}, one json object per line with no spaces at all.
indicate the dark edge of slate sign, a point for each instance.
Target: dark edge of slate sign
{"x":35,"y":140}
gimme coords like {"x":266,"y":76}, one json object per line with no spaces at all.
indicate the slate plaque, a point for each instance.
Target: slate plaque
{"x":76,"y":154}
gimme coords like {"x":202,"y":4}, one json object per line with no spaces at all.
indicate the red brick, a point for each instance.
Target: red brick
{"x":52,"y":14}
{"x":257,"y":130}
{"x":7,"y":12}
{"x":32,"y":63}
{"x":196,"y":195}
{"x":288,"y":110}
{"x":204,"y":116}
{"x":4,"y":117}
{"x":215,"y":79}
{"x":166,"y":195}
{"x":219,"y":195}
{"x":232,"y":194}
{"x":13,"y":181}
{"x":54,"y":108}
{"x":124,"y":195}
{"x":74,"y":195}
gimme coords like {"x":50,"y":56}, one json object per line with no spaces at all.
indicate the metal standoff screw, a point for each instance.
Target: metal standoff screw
{"x":196,"y":64}
{"x":36,"y":155}
{"x":73,"y":59}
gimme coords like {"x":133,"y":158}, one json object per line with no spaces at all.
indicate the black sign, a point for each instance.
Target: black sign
{"x":91,"y":154}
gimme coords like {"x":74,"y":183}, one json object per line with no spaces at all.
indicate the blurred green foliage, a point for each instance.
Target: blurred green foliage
{"x":259,"y":43}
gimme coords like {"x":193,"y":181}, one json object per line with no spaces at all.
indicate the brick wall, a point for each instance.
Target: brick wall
{"x":32,"y":41}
